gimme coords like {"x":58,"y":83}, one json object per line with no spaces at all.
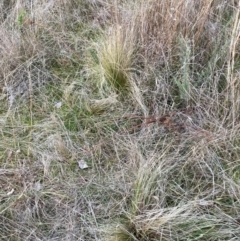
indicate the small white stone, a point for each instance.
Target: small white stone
{"x":82,"y":164}
{"x":58,"y":105}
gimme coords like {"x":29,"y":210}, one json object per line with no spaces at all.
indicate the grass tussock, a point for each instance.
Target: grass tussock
{"x":119,"y":120}
{"x":113,"y":58}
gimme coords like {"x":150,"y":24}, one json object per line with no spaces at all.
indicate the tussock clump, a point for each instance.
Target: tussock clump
{"x":176,"y":190}
{"x":115,"y":58}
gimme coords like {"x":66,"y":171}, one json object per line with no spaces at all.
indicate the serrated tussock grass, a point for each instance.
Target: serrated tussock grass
{"x":115,"y":59}
{"x":145,"y":95}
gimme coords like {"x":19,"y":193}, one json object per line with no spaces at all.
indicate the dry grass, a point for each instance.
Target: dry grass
{"x":145,"y":95}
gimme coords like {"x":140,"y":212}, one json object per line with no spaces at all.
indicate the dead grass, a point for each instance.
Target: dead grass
{"x":145,"y":94}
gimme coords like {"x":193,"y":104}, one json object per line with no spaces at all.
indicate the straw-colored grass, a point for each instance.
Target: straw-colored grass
{"x":119,"y":120}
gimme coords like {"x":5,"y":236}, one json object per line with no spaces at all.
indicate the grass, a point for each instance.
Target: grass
{"x":146,"y":94}
{"x":114,"y":60}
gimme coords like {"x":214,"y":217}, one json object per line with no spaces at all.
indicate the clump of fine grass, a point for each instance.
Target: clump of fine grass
{"x":115,"y":58}
{"x":177,"y":192}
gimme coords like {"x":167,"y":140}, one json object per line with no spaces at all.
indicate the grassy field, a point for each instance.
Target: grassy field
{"x":119,"y":120}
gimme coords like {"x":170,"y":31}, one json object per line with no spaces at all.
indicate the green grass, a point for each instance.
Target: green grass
{"x":146,"y":94}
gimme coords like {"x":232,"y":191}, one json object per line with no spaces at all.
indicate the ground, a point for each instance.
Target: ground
{"x":119,"y":120}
